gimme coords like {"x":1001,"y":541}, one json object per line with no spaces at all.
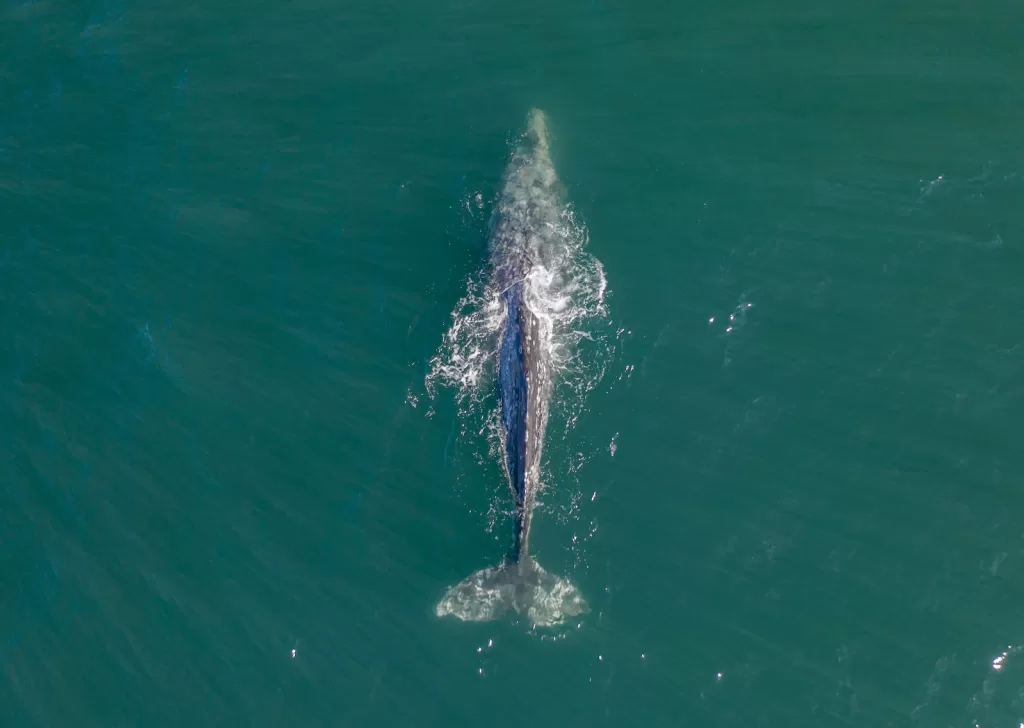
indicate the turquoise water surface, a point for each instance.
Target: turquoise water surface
{"x":787,"y":476}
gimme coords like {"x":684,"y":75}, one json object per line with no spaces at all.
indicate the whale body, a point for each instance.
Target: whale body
{"x":526,"y":212}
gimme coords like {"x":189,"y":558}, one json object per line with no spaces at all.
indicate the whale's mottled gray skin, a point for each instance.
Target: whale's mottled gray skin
{"x":523,"y":229}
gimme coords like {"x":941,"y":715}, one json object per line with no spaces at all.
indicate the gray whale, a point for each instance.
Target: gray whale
{"x":526,"y":212}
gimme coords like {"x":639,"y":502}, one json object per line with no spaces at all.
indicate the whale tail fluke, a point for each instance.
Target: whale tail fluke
{"x":524,"y":587}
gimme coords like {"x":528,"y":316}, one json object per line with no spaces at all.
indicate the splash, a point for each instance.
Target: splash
{"x":568,"y":293}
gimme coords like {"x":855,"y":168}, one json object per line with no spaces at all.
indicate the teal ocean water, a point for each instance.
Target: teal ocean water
{"x":233,"y":487}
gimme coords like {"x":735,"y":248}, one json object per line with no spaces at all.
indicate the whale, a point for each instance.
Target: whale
{"x":525,"y":214}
